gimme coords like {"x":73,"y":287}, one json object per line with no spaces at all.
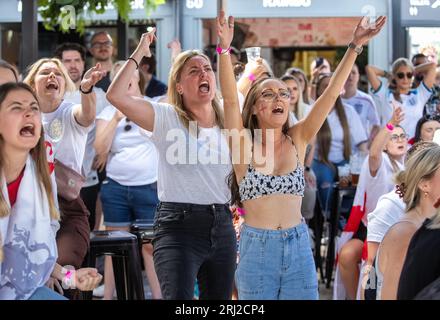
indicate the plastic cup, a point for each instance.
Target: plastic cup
{"x":253,"y":53}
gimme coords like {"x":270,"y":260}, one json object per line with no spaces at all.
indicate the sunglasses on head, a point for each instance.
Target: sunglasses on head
{"x":128,"y":125}
{"x":402,"y":75}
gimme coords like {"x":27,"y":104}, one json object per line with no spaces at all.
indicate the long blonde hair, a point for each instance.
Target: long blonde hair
{"x":34,"y":68}
{"x":300,"y":105}
{"x":400,"y":62}
{"x":38,"y":154}
{"x":176,"y":99}
{"x":421,"y":165}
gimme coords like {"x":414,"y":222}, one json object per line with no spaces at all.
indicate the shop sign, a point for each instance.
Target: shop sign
{"x":286,"y":3}
{"x":194,"y":4}
{"x":418,"y":12}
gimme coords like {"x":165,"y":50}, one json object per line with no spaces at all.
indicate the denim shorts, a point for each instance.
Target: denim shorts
{"x":45,"y":293}
{"x":122,"y":205}
{"x":276,"y":265}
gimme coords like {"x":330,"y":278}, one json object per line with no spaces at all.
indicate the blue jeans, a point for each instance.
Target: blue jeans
{"x":276,"y":265}
{"x":325,"y":179}
{"x":124,"y":204}
{"x":45,"y":293}
{"x":194,"y":241}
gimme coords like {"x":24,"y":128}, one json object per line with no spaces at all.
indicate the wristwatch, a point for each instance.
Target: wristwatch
{"x":356,"y":49}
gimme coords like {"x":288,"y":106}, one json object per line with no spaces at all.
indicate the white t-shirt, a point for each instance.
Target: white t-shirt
{"x":390,"y":208}
{"x":67,"y":136}
{"x":357,"y":134}
{"x":412,"y":105}
{"x":132,"y":160}
{"x":366,"y":109}
{"x":101,"y":103}
{"x":380,"y":184}
{"x":190,"y":170}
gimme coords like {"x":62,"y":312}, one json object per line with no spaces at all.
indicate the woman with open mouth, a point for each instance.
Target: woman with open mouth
{"x":67,"y":124}
{"x":28,"y":206}
{"x":276,"y":260}
{"x":194,"y":235}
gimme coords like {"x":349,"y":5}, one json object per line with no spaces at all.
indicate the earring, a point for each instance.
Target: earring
{"x":426,"y":194}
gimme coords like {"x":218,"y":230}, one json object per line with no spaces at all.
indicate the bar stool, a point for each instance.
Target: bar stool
{"x":123,"y":247}
{"x":143,"y":229}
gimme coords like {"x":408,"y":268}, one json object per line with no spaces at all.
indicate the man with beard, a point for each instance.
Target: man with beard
{"x":101,"y":48}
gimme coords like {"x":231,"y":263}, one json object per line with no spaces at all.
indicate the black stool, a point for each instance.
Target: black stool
{"x":143,"y":230}
{"x":123,"y":248}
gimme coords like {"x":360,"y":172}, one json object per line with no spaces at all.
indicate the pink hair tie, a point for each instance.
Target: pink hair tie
{"x":390,"y":127}
{"x":241,"y":211}
{"x":220,"y":50}
{"x":252,"y":77}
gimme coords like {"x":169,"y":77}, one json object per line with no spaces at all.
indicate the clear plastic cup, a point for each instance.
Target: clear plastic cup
{"x":253,"y":53}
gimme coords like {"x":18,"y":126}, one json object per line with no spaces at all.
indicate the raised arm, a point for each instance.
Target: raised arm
{"x":105,"y":132}
{"x":373,"y":76}
{"x":85,"y":113}
{"x":308,"y":128}
{"x":136,"y":109}
{"x":225,"y":31}
{"x":381,"y":139}
{"x":429,"y":70}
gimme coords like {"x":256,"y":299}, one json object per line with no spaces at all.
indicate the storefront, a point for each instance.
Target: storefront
{"x":163,"y":18}
{"x":290,"y":32}
{"x":421,"y":20}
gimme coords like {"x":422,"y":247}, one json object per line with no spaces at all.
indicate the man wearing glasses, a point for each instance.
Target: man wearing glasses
{"x":101,"y":48}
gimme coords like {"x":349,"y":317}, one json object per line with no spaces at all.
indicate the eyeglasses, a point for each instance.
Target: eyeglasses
{"x":107,"y":44}
{"x":401,"y":75}
{"x":127,"y":125}
{"x":269,"y":95}
{"x":396,"y":137}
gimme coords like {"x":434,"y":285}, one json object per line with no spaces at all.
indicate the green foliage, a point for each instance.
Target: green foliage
{"x":53,"y":15}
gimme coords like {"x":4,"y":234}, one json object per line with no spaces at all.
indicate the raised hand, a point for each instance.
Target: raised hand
{"x":225,"y":30}
{"x":146,"y":40}
{"x":92,"y":76}
{"x":366,"y":30}
{"x":398,"y":114}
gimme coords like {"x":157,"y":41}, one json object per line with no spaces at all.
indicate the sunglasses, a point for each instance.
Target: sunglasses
{"x":127,"y":125}
{"x":396,"y":137}
{"x":402,"y":75}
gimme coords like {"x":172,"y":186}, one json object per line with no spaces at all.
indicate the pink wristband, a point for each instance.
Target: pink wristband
{"x":220,"y":50}
{"x":241,"y":211}
{"x":390,"y":127}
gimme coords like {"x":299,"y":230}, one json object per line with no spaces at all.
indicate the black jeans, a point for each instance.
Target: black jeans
{"x":194,"y":241}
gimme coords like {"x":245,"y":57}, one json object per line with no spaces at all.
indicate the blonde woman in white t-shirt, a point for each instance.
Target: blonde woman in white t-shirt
{"x":194,"y":235}
{"x":376,"y":179}
{"x":66,"y":126}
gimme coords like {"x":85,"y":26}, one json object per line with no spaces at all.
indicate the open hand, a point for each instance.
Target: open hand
{"x":366,"y":30}
{"x":225,"y":30}
{"x":92,"y":76}
{"x":398,"y":114}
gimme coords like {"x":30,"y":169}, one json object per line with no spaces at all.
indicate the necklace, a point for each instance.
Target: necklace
{"x":420,"y":215}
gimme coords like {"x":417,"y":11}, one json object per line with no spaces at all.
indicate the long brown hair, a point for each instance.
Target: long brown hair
{"x":250,"y":122}
{"x":324,"y":136}
{"x":38,"y":154}
{"x":176,"y":99}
